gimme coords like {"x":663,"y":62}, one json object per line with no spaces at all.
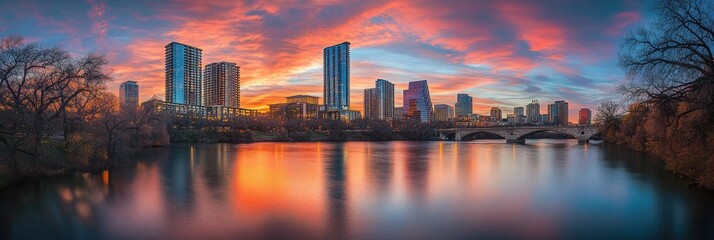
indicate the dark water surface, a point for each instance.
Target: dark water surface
{"x":543,"y":189}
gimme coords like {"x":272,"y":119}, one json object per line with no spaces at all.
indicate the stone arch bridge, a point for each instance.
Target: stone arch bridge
{"x":518,"y":134}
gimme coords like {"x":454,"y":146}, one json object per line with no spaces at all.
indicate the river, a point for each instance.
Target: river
{"x":544,"y":189}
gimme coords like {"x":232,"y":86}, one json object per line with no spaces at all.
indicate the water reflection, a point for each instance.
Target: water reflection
{"x":541,"y":189}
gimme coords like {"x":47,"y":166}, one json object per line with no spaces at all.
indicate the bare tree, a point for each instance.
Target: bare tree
{"x":671,"y":59}
{"x":38,"y":85}
{"x":114,"y":127}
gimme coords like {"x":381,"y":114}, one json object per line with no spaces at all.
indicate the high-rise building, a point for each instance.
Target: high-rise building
{"x":385,"y":99}
{"x":545,"y":118}
{"x":585,"y":117}
{"x":518,"y":115}
{"x":417,"y":101}
{"x":464,"y":105}
{"x":443,"y":113}
{"x":336,"y":76}
{"x":533,"y":112}
{"x":129,"y":94}
{"x":496,"y":114}
{"x":183,"y":74}
{"x":558,"y":113}
{"x":511,"y":118}
{"x":222,"y":84}
{"x":371,"y":102}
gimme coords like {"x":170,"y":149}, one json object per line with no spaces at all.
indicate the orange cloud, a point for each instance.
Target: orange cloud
{"x":471,"y":45}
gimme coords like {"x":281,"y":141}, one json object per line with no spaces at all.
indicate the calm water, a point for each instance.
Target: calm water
{"x":543,"y":189}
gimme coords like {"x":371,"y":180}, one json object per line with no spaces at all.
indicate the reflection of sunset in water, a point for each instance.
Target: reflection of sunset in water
{"x":363,"y":190}
{"x":274,"y":181}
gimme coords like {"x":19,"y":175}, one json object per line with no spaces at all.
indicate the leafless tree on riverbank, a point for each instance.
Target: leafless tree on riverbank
{"x":38,"y":86}
{"x":669,"y":66}
{"x":671,"y":60}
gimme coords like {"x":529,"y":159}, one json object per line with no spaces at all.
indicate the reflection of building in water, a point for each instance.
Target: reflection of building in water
{"x":336,"y":191}
{"x":177,"y":179}
{"x":215,"y":168}
{"x":417,"y":169}
{"x":380,"y":159}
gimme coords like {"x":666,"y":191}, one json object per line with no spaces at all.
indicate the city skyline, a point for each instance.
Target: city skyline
{"x":279,"y":57}
{"x":220,"y":86}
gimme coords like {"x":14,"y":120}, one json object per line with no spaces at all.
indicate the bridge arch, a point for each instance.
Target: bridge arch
{"x":470,"y":136}
{"x":518,"y":134}
{"x":525,"y":135}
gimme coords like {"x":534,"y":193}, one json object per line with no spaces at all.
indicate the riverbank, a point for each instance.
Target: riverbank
{"x":683,"y":139}
{"x":9,"y":177}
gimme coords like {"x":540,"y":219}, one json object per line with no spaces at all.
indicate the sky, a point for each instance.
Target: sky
{"x":502,"y":53}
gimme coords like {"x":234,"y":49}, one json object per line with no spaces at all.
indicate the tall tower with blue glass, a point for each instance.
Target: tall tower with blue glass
{"x":183,"y":74}
{"x":337,"y":77}
{"x":417,"y":102}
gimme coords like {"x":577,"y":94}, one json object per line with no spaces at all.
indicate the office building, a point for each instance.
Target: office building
{"x":443,"y":113}
{"x":511,"y":118}
{"x":585,"y":117}
{"x":336,"y":76}
{"x":558,"y":113}
{"x":183,"y":74}
{"x":545,"y":119}
{"x":385,"y":99}
{"x":129,"y":94}
{"x":222,"y":84}
{"x":496,"y":114}
{"x":464,"y":105}
{"x":519,"y":115}
{"x":296,"y":107}
{"x":303,"y":99}
{"x":417,"y":102}
{"x":371,"y":104}
{"x":533,"y":112}
{"x":222,"y":113}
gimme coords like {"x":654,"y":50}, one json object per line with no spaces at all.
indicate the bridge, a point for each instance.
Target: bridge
{"x":518,"y":134}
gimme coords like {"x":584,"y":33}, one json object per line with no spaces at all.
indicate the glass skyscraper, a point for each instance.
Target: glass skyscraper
{"x":558,"y":113}
{"x":337,"y":77}
{"x":129,"y":94}
{"x":519,"y":115}
{"x":222,"y":84}
{"x":533,"y":112}
{"x":183,"y":74}
{"x":464,"y":105}
{"x":417,"y":102}
{"x":385,"y":99}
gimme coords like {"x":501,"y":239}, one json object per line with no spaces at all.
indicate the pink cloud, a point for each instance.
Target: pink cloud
{"x":280,"y":43}
{"x":622,"y":21}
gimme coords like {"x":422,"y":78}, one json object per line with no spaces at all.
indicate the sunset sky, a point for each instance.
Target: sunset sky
{"x":503,"y":53}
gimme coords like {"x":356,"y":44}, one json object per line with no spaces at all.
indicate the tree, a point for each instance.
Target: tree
{"x":38,"y":86}
{"x":671,"y":60}
{"x":669,"y":66}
